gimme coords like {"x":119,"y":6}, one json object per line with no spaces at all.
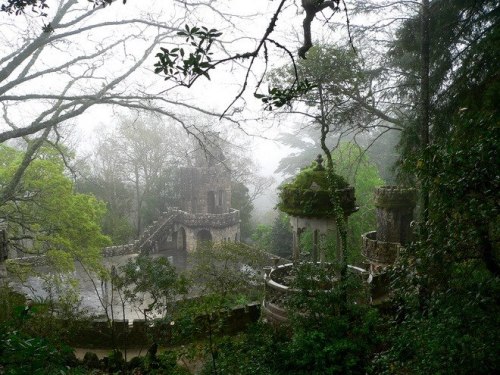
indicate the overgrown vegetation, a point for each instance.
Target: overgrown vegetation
{"x":443,"y":316}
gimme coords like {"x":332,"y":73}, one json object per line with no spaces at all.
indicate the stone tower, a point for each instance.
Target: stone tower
{"x":394,"y":211}
{"x":205,"y":188}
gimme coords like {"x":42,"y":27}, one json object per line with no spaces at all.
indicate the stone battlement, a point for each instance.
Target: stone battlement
{"x":113,"y":251}
{"x":379,"y":251}
{"x":209,"y":220}
{"x":395,"y":196}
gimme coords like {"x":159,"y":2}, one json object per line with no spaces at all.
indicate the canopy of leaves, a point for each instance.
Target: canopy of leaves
{"x":447,"y":281}
{"x":47,"y":216}
{"x":154,"y":278}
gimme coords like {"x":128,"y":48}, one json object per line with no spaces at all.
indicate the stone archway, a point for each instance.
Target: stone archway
{"x":181,"y":240}
{"x":203,"y":238}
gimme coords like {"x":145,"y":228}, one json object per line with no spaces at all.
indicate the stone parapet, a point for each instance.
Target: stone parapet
{"x":155,"y":230}
{"x":174,"y":216}
{"x":208,"y":220}
{"x":315,"y":202}
{"x":379,"y":252}
{"x":394,"y":197}
{"x":112,"y":251}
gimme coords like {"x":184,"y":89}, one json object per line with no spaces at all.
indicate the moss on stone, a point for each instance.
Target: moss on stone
{"x":308,"y":194}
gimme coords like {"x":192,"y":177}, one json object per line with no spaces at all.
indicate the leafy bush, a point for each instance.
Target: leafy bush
{"x":22,"y":354}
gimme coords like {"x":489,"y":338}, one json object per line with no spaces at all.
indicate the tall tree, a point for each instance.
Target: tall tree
{"x":343,"y":92}
{"x":56,"y":73}
{"x":456,"y":276}
{"x":46,"y":216}
{"x":104,"y":176}
{"x":138,"y":161}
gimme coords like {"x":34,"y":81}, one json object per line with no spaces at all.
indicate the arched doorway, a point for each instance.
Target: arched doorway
{"x":181,"y":239}
{"x":181,"y":249}
{"x":203,"y":239}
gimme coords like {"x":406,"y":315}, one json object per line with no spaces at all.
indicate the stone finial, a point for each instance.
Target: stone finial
{"x":319,"y":163}
{"x":315,"y":187}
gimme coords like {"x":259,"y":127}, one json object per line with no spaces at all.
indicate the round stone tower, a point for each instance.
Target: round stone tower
{"x":394,"y":210}
{"x":394,"y":213}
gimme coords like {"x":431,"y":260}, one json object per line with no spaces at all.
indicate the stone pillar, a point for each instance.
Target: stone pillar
{"x":394,"y":207}
{"x":315,"y":248}
{"x":4,"y":251}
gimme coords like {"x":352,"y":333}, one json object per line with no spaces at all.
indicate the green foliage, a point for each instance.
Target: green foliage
{"x":185,"y":67}
{"x":259,"y":350}
{"x":59,"y":222}
{"x":328,"y":333}
{"x":277,"y":238}
{"x":352,"y":163}
{"x":226,"y":272}
{"x":240,"y":200}
{"x":149,"y":277}
{"x":335,"y":76}
{"x":261,"y":237}
{"x":312,"y":174}
{"x":162,"y":363}
{"x":463,"y":65}
{"x":446,"y":282}
{"x":455,"y":333}
{"x":281,"y":236}
{"x":22,"y":354}
{"x":332,"y":332}
{"x":278,"y":97}
{"x":308,"y":193}
{"x":11,"y":301}
{"x":18,"y":6}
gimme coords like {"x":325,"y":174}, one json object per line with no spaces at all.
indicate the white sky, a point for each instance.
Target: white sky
{"x":251,"y":19}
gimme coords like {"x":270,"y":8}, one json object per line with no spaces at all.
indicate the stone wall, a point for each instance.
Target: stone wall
{"x":230,"y":233}
{"x":113,"y":251}
{"x":43,"y":260}
{"x":195,"y":185}
{"x":222,"y":227}
{"x":138,"y":333}
{"x":394,"y":212}
{"x":379,"y":252}
{"x":209,"y":220}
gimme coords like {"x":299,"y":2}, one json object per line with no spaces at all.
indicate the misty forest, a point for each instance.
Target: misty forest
{"x":265,"y":187}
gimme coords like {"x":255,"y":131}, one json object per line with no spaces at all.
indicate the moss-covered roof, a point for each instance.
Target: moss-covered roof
{"x":316,"y":175}
{"x":308,"y":193}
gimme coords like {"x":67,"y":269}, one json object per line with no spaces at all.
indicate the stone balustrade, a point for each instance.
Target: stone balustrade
{"x":113,"y":251}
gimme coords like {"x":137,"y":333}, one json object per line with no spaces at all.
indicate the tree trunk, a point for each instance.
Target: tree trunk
{"x":424,"y":98}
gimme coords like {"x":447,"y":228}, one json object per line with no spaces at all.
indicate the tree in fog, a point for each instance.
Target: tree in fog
{"x":133,"y":170}
{"x":81,"y":59}
{"x":103,"y":175}
{"x":46,"y":216}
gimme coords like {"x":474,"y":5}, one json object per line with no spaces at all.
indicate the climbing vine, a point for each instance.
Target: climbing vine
{"x":338,"y":214}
